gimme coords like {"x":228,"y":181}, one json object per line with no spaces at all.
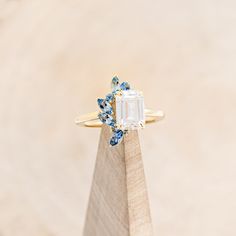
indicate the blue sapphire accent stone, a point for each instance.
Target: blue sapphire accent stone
{"x":125,"y":86}
{"x":105,"y":106}
{"x":116,"y":137}
{"x":106,"y":119}
{"x":115,"y":80}
{"x":119,"y":133}
{"x":109,"y":97}
{"x":114,"y":92}
{"x":115,"y":83}
{"x":114,"y":141}
{"x":100,"y":101}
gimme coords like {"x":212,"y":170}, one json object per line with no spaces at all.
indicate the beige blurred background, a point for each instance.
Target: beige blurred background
{"x":57,"y":57}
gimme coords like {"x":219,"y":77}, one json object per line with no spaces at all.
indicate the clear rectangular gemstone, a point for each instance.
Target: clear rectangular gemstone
{"x":130,"y":110}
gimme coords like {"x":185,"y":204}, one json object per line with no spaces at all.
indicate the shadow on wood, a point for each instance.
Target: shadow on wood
{"x":118,"y":204}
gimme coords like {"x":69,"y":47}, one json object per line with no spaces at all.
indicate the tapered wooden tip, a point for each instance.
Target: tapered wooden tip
{"x":118,"y":204}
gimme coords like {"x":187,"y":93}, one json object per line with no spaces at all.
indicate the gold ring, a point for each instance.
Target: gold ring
{"x":123,"y":110}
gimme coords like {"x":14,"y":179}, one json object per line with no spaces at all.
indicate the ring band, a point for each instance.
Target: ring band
{"x":92,"y":120}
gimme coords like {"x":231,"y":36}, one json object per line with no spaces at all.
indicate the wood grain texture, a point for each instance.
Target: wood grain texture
{"x":118,"y":203}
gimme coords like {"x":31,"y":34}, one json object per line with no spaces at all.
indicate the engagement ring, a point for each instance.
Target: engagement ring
{"x":123,"y":110}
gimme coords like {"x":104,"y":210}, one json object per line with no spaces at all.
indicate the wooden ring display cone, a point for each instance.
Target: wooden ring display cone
{"x":118,"y":204}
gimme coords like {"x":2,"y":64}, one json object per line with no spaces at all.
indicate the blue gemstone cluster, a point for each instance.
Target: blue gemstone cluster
{"x":106,"y":114}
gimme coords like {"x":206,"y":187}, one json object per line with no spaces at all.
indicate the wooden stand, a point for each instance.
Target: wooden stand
{"x":118,"y":204}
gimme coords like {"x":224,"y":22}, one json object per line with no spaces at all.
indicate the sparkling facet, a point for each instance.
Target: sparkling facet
{"x":118,"y":133}
{"x":125,"y":86}
{"x":109,"y":97}
{"x":116,"y":137}
{"x":115,"y":83}
{"x":105,"y":106}
{"x":100,"y":101}
{"x":130,"y":110}
{"x":106,"y":119}
{"x":114,"y":141}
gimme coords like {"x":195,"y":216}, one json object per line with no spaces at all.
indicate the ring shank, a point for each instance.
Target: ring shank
{"x":92,"y":120}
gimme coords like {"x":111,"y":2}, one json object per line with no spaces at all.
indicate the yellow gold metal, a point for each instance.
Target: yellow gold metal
{"x":91,"y":119}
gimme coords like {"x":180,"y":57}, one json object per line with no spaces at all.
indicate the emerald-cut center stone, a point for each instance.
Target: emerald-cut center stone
{"x":130,"y":110}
